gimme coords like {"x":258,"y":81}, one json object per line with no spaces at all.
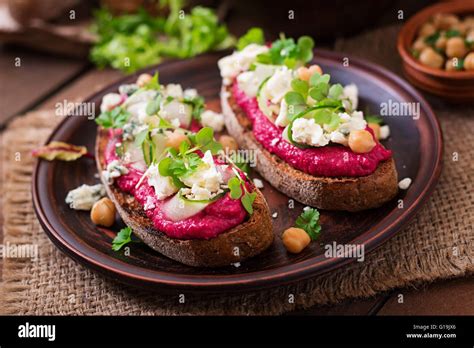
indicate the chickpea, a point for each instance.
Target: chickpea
{"x":295,"y":239}
{"x":430,"y":57}
{"x":175,"y":139}
{"x":305,"y":73}
{"x":461,"y":27}
{"x":427,"y":29}
{"x":469,"y":61}
{"x":143,"y":79}
{"x":469,"y":22}
{"x":376,"y":129}
{"x":444,"y":21}
{"x":451,"y":64}
{"x":419,"y":44}
{"x":315,"y":69}
{"x":228,"y":143}
{"x":361,"y":141}
{"x":441,"y":42}
{"x":103,"y":212}
{"x":455,"y":47}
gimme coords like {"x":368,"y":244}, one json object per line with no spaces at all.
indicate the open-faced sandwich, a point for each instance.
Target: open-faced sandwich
{"x":311,"y":143}
{"x":162,"y":171}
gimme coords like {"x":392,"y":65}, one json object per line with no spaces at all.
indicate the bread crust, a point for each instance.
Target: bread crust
{"x":241,"y":242}
{"x":329,"y":193}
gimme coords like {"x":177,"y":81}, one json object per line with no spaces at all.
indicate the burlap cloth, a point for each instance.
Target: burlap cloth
{"x":438,"y":243}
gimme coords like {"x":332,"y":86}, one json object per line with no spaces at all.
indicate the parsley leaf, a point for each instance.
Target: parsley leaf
{"x":309,"y":221}
{"x":115,"y":118}
{"x":247,"y":201}
{"x":253,"y":35}
{"x":122,"y":238}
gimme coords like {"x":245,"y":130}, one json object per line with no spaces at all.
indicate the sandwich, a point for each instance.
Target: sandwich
{"x":310,"y":140}
{"x":170,"y":181}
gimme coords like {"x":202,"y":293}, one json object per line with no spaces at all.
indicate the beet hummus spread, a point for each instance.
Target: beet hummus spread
{"x":216,"y":218}
{"x":332,"y":161}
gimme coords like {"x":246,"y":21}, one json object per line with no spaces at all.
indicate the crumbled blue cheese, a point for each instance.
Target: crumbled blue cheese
{"x":350,"y":97}
{"x":231,"y":66}
{"x":84,"y":196}
{"x":212,"y":119}
{"x":174,"y":90}
{"x":114,"y":170}
{"x":109,"y":101}
{"x":282,"y":119}
{"x":205,"y":182}
{"x":250,"y":81}
{"x":307,"y":131}
{"x":128,"y":89}
{"x":278,"y":85}
{"x":384,"y":132}
{"x":404,"y":184}
{"x":258,"y":183}
{"x":163,"y":185}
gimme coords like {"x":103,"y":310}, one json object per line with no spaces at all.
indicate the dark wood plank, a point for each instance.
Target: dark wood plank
{"x":450,"y":297}
{"x":37,"y":76}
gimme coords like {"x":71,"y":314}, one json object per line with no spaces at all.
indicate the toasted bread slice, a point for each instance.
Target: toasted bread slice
{"x":330,"y":193}
{"x":241,"y":242}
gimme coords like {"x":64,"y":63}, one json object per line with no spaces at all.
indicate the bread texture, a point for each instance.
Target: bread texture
{"x":239,"y":243}
{"x":329,"y":193}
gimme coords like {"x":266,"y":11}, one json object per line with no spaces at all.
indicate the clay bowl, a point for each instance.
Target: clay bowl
{"x":455,"y":86}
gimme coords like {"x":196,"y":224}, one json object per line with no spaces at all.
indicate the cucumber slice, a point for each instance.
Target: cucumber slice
{"x":178,"y":208}
{"x":263,"y":102}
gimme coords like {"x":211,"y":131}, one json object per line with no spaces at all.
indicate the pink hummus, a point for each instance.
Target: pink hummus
{"x":334,"y":160}
{"x":216,"y":218}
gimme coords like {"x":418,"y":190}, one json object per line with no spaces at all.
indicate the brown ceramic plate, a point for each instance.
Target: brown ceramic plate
{"x":417,"y":148}
{"x":449,"y":85}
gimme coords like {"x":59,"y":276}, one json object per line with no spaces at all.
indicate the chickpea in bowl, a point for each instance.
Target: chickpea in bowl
{"x":446,"y":42}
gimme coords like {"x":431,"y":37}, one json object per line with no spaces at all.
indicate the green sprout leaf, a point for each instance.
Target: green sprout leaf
{"x":247,"y":201}
{"x":235,"y":187}
{"x":253,"y":35}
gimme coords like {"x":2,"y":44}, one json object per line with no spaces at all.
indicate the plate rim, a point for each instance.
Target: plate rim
{"x":283,"y":275}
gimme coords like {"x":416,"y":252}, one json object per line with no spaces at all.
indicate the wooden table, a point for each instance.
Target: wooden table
{"x":43,"y":80}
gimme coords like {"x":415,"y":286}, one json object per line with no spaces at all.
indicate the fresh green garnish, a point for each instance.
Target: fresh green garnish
{"x":373,"y":119}
{"x":253,"y":35}
{"x":238,"y":190}
{"x":197,"y":104}
{"x":460,"y":64}
{"x":185,"y":161}
{"x":123,"y":237}
{"x":288,"y":52}
{"x":235,"y":188}
{"x":204,"y":141}
{"x":115,"y":118}
{"x":452,"y":33}
{"x":154,"y":83}
{"x":431,"y":40}
{"x":133,"y":41}
{"x":309,"y":221}
{"x":415,"y":53}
